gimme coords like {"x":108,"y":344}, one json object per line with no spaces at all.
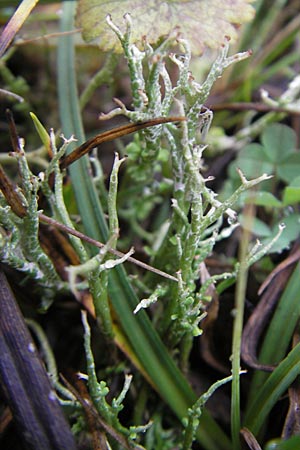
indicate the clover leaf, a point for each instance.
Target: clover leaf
{"x":291,"y":193}
{"x":276,"y":155}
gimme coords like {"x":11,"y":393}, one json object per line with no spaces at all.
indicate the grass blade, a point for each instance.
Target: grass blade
{"x":280,"y":330}
{"x":277,"y":383}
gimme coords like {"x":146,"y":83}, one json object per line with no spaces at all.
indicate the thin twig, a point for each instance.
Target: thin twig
{"x":259,"y":107}
{"x":84,"y":237}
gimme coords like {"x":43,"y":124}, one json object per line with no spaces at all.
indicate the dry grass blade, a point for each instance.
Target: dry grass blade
{"x":15,"y":24}
{"x":250,"y":439}
{"x":110,"y":135}
{"x":273,"y":286}
{"x":25,"y":384}
{"x":11,"y":195}
{"x":292,"y":259}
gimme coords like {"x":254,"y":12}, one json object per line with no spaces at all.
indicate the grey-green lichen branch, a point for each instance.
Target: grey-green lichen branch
{"x":20,"y":241}
{"x":99,"y":391}
{"x":197,"y":214}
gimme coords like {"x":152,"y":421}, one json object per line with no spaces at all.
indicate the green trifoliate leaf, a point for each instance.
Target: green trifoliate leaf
{"x":204,"y":23}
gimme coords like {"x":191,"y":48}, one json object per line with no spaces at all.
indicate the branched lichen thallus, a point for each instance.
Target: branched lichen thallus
{"x":196,"y":218}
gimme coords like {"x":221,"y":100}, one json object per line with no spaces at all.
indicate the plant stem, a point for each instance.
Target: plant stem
{"x":241,"y":286}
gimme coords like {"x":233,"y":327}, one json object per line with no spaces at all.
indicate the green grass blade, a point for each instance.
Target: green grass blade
{"x":236,"y":346}
{"x":280,"y":330}
{"x":277,"y":383}
{"x":86,"y":197}
{"x":143,"y":339}
{"x":42,"y":132}
{"x":256,"y":31}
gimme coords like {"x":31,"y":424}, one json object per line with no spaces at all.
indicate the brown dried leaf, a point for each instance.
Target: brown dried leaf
{"x":204,"y":23}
